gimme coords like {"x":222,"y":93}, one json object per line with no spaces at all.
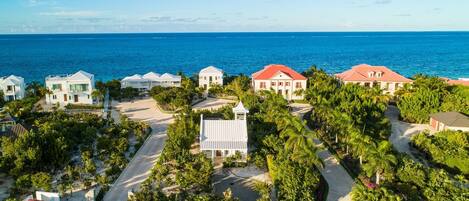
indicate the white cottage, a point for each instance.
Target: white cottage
{"x":209,"y":76}
{"x":223,"y":138}
{"x":150,"y":80}
{"x":70,"y":89}
{"x":13,"y":87}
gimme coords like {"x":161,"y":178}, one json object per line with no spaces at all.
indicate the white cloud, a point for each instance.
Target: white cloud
{"x":383,"y":1}
{"x":78,"y":13}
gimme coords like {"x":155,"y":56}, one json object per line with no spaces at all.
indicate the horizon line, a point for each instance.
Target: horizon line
{"x":215,"y":32}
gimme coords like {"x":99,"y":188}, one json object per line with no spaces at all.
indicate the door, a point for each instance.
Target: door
{"x":65,"y":97}
{"x":75,"y":98}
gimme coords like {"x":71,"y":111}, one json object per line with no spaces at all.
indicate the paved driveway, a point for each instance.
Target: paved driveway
{"x":139,"y":167}
{"x":211,"y":104}
{"x":339,"y":181}
{"x":402,"y":132}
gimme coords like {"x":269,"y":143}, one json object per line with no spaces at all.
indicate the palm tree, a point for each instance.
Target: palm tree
{"x":360,"y":144}
{"x":300,"y":143}
{"x":97,"y":94}
{"x":380,"y":160}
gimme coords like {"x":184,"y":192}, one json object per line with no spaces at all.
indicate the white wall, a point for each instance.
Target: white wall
{"x":58,"y":96}
{"x":17,"y":92}
{"x":390,"y":90}
{"x":204,"y":79}
{"x":287,"y":84}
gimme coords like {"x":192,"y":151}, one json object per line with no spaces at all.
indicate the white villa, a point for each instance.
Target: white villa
{"x":210,"y":75}
{"x":13,"y":87}
{"x":281,"y":79}
{"x":70,"y":89}
{"x":223,"y":138}
{"x":150,"y":80}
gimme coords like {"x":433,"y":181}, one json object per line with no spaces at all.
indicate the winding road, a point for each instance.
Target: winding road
{"x":339,"y":181}
{"x":140,"y":166}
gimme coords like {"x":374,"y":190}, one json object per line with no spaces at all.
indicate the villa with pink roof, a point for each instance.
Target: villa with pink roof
{"x":371,"y":76}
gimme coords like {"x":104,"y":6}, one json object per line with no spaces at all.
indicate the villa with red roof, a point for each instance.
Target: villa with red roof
{"x":280,"y":78}
{"x":371,"y":76}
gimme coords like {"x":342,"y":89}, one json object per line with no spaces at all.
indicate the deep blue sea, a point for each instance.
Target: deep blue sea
{"x":111,"y":56}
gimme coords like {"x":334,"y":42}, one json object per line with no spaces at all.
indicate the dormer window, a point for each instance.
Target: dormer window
{"x":371,"y":73}
{"x":379,"y":74}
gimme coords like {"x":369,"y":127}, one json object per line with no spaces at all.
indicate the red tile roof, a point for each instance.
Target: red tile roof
{"x":272,"y":69}
{"x":360,"y":73}
{"x":458,"y":82}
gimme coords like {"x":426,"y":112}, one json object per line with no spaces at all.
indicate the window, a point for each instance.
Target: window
{"x":286,"y":92}
{"x":57,"y":87}
{"x":54,"y":97}
{"x":379,"y":74}
{"x":280,"y":84}
{"x":9,"y":88}
{"x":279,"y":92}
{"x":298,"y":85}
{"x":272,"y":83}
{"x":396,"y":86}
{"x":210,"y":78}
{"x":227,"y":152}
{"x":262,"y":85}
{"x":287,"y":84}
{"x":78,"y":87}
{"x":205,"y":77}
{"x":387,"y":85}
{"x":88,"y":96}
{"x":371,"y":73}
{"x":367,"y":84}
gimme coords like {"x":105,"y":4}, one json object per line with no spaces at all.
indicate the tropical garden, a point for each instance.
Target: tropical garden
{"x":446,"y":149}
{"x":429,"y":95}
{"x":350,"y":120}
{"x":176,"y":98}
{"x":63,"y":151}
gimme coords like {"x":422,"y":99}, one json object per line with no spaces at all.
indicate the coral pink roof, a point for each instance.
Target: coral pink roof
{"x":360,"y":73}
{"x":458,"y":82}
{"x":272,"y":69}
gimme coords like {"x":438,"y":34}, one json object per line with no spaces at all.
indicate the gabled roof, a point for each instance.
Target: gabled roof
{"x":12,"y":80}
{"x":453,"y":119}
{"x":135,"y":77}
{"x":458,"y":82}
{"x":80,"y":75}
{"x":211,"y":69}
{"x":223,"y":134}
{"x":273,"y":69}
{"x":168,"y":76}
{"x":151,"y":76}
{"x":360,"y":73}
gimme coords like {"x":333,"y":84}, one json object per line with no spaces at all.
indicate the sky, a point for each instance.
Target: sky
{"x":124,"y":16}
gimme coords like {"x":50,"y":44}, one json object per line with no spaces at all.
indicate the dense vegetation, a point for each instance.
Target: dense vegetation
{"x":449,"y":149}
{"x":429,"y":95}
{"x":115,"y":90}
{"x":175,"y":98}
{"x":288,"y":146}
{"x":50,"y":148}
{"x":234,"y":86}
{"x":64,"y":151}
{"x":350,"y":118}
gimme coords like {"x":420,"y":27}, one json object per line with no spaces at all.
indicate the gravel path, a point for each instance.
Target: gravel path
{"x":211,"y":104}
{"x":339,"y":181}
{"x":402,"y":132}
{"x":139,"y":167}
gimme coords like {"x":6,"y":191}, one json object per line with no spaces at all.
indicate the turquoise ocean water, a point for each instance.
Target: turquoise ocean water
{"x":111,"y":56}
